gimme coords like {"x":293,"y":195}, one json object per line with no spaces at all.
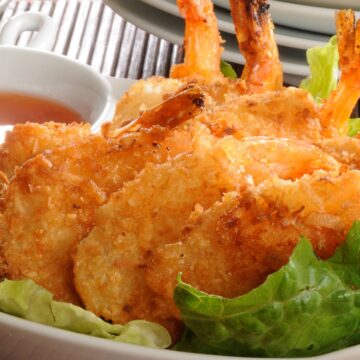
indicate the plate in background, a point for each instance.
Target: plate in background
{"x":171,"y":28}
{"x":336,"y":4}
{"x":310,"y":18}
{"x":288,"y":37}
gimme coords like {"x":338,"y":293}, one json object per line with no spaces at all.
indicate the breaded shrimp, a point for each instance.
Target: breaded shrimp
{"x":50,"y":203}
{"x":346,"y":150}
{"x":28,"y":140}
{"x":338,"y":108}
{"x":232,"y":247}
{"x":202,"y":61}
{"x":255,"y":35}
{"x":151,"y":211}
{"x":288,"y":113}
{"x":143,"y":95}
{"x":173,"y":111}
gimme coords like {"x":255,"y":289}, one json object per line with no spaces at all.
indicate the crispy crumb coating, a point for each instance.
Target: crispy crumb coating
{"x":50,"y":203}
{"x":142,"y":96}
{"x":148,"y":211}
{"x":153,"y":209}
{"x":232,"y":247}
{"x":287,"y":113}
{"x":30,"y":139}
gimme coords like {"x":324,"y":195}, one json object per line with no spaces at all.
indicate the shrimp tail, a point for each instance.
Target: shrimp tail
{"x":255,"y":35}
{"x":202,"y":42}
{"x":337,"y":109}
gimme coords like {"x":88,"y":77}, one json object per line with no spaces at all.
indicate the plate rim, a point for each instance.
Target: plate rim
{"x":293,"y":69}
{"x":283,"y":37}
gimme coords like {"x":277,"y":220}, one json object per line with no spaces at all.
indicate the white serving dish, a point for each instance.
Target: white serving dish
{"x":288,"y":37}
{"x":301,"y":16}
{"x":171,"y":28}
{"x":336,"y":4}
{"x":37,"y":72}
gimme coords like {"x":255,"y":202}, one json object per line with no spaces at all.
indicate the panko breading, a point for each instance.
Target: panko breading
{"x":345,"y":149}
{"x":287,"y":113}
{"x":142,"y":96}
{"x":50,"y":203}
{"x":30,"y":139}
{"x":152,"y":210}
{"x":172,"y":112}
{"x":146,"y":212}
{"x":232,"y":247}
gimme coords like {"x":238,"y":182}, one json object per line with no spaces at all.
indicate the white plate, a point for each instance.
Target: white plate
{"x":22,"y":339}
{"x":304,"y":17}
{"x":171,"y":28}
{"x":336,"y":4}
{"x":3,"y":5}
{"x":288,"y":37}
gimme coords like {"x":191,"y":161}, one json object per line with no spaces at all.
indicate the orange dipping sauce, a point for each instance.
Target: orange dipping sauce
{"x":18,"y":108}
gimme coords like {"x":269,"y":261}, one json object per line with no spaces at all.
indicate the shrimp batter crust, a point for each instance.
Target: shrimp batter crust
{"x":286,"y":113}
{"x":50,"y":203}
{"x":232,"y":247}
{"x":151,"y":211}
{"x":30,"y":139}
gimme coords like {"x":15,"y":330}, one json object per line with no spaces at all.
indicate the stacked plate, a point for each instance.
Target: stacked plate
{"x":300,"y":24}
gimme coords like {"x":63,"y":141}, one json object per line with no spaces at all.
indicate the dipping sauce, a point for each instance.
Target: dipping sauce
{"x":18,"y":108}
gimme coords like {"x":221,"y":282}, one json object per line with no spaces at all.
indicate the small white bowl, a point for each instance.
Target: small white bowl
{"x":36,"y":71}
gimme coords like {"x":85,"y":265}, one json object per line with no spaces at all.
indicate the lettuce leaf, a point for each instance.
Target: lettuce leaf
{"x":308,"y":307}
{"x":324,"y":69}
{"x":354,"y":127}
{"x":30,"y":301}
{"x":227,"y":70}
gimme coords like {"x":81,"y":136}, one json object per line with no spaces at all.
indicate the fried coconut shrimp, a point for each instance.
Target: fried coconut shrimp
{"x":28,"y":140}
{"x":201,"y":65}
{"x":286,"y":113}
{"x":143,"y":95}
{"x":254,"y":32}
{"x":152,"y":210}
{"x":230,"y":248}
{"x":147,"y":211}
{"x":50,"y":203}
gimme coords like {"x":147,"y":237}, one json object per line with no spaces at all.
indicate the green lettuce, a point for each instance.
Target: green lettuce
{"x":227,"y":70}
{"x":27,"y":300}
{"x":308,"y":307}
{"x":354,"y":127}
{"x":324,"y":70}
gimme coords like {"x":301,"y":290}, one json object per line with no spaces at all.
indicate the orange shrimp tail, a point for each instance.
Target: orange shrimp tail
{"x":255,"y":35}
{"x":202,"y":42}
{"x":337,"y":109}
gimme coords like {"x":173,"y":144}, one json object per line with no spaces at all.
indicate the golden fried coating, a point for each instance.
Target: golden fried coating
{"x":262,"y":157}
{"x":344,"y":149}
{"x":50,"y":203}
{"x":28,"y":140}
{"x":232,"y":247}
{"x":152,"y":210}
{"x":148,"y":211}
{"x":172,"y":112}
{"x":143,"y":95}
{"x":287,"y":113}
